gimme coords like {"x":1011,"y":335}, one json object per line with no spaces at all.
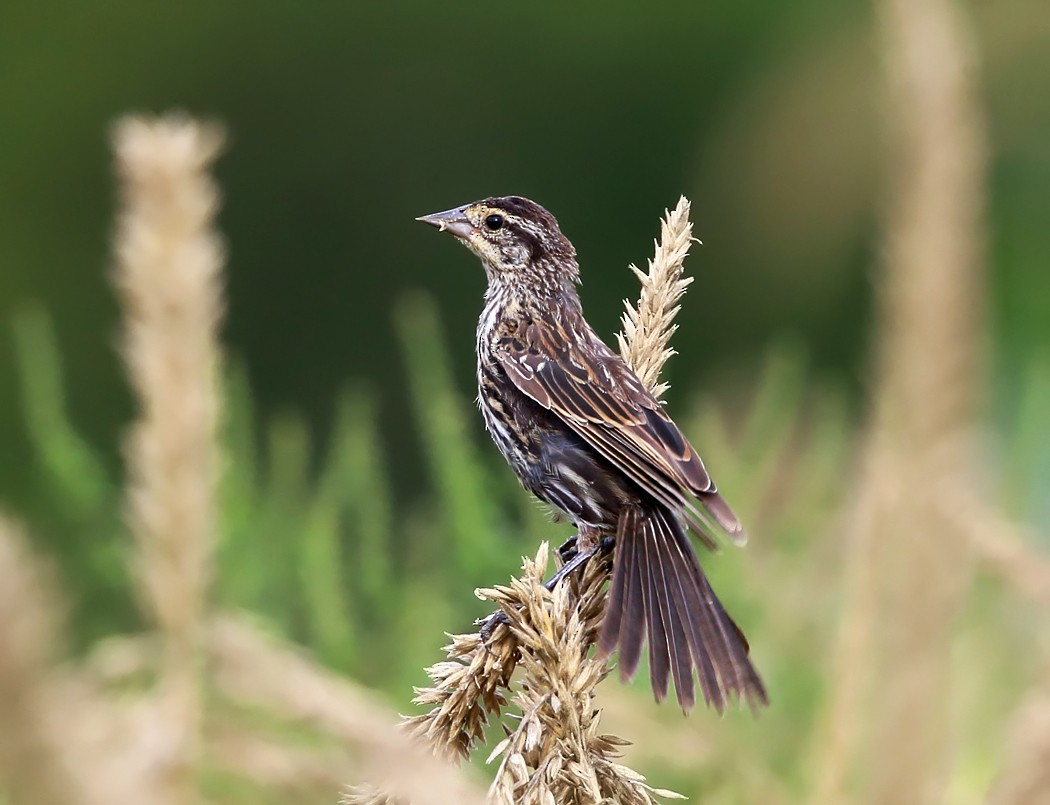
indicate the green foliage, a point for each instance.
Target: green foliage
{"x":465,"y":487}
{"x":77,"y":502}
{"x":311,"y":538}
{"x":314,"y":540}
{"x":73,"y":476}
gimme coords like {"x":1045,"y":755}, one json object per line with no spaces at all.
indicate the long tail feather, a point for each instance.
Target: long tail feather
{"x":660,"y":593}
{"x":675,"y":622}
{"x":632,"y":625}
{"x":655,"y":606}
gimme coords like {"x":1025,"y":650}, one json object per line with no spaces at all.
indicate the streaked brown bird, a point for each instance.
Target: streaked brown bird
{"x":584,"y":434}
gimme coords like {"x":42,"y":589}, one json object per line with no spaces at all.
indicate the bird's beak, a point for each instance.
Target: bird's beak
{"x":452,"y":221}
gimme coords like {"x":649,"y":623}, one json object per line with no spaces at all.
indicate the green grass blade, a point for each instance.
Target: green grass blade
{"x":355,"y":478}
{"x":71,"y":467}
{"x":465,"y":492}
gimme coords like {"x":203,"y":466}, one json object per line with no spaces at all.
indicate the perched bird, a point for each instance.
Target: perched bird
{"x":584,"y":434}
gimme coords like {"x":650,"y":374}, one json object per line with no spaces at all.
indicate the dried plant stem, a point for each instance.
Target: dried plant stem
{"x":30,"y":749}
{"x":909,"y":567}
{"x":253,"y":669}
{"x":468,"y":688}
{"x":840,"y":736}
{"x":1002,"y":546}
{"x":368,"y":795}
{"x":1026,"y":777}
{"x":931,"y":374}
{"x":556,"y":753}
{"x":931,"y":366}
{"x":61,"y":740}
{"x":168,"y":261}
{"x":1008,"y":550}
{"x":648,"y":327}
{"x":349,"y":732}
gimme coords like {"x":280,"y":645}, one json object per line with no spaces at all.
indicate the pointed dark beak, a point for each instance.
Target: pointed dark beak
{"x":452,"y":221}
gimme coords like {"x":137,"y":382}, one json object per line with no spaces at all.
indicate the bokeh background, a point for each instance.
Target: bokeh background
{"x":349,"y":327}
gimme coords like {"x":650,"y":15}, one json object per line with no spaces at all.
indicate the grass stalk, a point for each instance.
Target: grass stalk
{"x":168,"y":263}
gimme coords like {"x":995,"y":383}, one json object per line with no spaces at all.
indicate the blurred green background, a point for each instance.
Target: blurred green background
{"x":349,"y":119}
{"x":350,"y":325}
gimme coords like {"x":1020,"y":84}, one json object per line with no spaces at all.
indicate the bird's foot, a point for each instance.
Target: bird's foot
{"x":488,"y":626}
{"x":568,"y":549}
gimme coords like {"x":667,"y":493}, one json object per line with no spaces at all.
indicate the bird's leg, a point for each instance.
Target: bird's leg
{"x":573,"y":557}
{"x":568,"y":549}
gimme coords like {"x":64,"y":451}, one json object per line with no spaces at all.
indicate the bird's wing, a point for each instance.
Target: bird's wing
{"x":595,"y":393}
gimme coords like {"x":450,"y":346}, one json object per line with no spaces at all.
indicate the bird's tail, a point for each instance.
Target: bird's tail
{"x":660,"y":592}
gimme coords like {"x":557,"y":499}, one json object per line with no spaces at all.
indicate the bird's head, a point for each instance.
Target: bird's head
{"x":518,"y":241}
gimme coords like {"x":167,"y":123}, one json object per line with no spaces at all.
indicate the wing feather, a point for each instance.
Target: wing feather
{"x":596,"y":394}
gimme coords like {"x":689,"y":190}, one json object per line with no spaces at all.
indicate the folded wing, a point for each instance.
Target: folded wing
{"x":595,"y":393}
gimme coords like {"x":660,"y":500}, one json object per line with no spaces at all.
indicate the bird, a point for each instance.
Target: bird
{"x":584,"y":434}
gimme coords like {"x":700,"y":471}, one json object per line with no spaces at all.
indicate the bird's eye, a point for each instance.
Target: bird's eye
{"x":494,"y":222}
